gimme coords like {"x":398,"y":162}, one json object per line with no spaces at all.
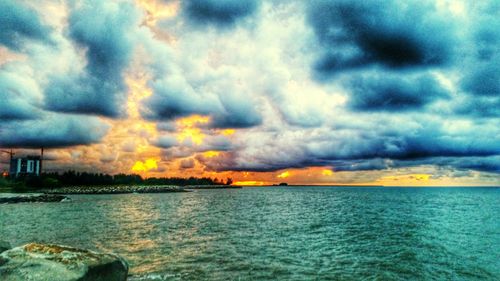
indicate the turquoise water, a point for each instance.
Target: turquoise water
{"x":279,"y":233}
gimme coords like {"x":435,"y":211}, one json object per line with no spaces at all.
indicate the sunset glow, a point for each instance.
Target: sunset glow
{"x":257,"y":91}
{"x":249,"y":139}
{"x":145,"y":166}
{"x":250,"y":183}
{"x":188,"y":128}
{"x":157,"y":10}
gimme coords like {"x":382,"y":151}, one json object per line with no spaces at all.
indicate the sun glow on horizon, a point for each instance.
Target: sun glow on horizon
{"x":327,"y":172}
{"x":250,"y":183}
{"x":284,"y":175}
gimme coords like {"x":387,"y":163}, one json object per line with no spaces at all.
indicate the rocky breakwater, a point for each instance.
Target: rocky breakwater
{"x":46,"y":262}
{"x":32,"y":198}
{"x":117,"y":189}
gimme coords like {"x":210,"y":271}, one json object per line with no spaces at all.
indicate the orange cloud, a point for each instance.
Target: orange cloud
{"x":188,"y":128}
{"x":156,"y":10}
{"x":128,"y":139}
{"x":211,"y":153}
{"x":327,"y":172}
{"x":148,"y":165}
{"x":228,"y":132}
{"x":283,"y":175}
{"x":408,"y":179}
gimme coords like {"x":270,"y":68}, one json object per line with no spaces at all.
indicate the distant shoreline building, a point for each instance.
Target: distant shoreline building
{"x":29,"y":165}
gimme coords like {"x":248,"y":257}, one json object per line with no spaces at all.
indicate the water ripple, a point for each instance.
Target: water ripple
{"x":285,"y":233}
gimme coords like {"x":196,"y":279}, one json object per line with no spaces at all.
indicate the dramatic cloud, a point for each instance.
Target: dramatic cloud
{"x":218,"y":12}
{"x":19,"y":24}
{"x":486,"y":164}
{"x":20,"y":95}
{"x":390,"y":33}
{"x":484,"y":81}
{"x":393,"y":93}
{"x":184,"y":89}
{"x":261,"y":91}
{"x":52,"y":132}
{"x":100,"y":30}
{"x":481,"y":71}
{"x":375,"y":145}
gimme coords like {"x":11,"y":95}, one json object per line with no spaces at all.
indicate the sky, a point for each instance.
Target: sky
{"x":378,"y":92}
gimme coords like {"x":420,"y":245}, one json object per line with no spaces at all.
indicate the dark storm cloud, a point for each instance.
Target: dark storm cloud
{"x":394,"y":34}
{"x":374,"y":147}
{"x":481,"y":75}
{"x":166,"y":142}
{"x":16,"y":109}
{"x":218,"y":12}
{"x":485,"y":78}
{"x":233,"y":116}
{"x":428,"y":139}
{"x":19,"y":23}
{"x":219,"y":143}
{"x":236,"y":113}
{"x":52,"y":131}
{"x":393,"y":93}
{"x":479,"y":106}
{"x":170,"y":102}
{"x":490,"y":164}
{"x":486,"y":29}
{"x":362,"y":165}
{"x":100,"y":29}
{"x":484,"y":164}
{"x":173,"y":99}
{"x":18,"y":94}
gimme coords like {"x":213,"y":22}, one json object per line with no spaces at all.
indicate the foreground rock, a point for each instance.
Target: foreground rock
{"x":4,"y":246}
{"x":60,"y":263}
{"x":117,"y":189}
{"x":33,"y":198}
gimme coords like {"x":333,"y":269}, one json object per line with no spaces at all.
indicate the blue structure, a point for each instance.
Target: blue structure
{"x":29,"y":165}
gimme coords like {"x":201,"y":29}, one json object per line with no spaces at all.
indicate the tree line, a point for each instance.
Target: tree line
{"x":69,"y":178}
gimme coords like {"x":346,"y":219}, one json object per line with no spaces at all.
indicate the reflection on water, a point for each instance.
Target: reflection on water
{"x":292,"y":233}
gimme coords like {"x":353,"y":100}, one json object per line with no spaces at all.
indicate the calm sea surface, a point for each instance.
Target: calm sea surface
{"x":279,"y":233}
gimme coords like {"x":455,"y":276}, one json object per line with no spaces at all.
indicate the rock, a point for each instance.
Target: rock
{"x":4,"y":246}
{"x":32,"y":198}
{"x":47,"y":262}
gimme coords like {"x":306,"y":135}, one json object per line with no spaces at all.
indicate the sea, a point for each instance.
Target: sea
{"x":279,"y":233}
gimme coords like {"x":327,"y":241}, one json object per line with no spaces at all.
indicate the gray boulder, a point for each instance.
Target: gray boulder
{"x":4,"y":246}
{"x":46,"y":262}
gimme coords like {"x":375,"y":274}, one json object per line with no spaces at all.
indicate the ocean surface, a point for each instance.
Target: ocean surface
{"x":279,"y":233}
